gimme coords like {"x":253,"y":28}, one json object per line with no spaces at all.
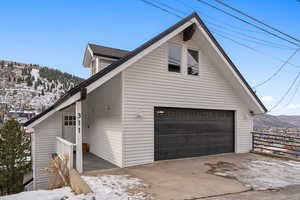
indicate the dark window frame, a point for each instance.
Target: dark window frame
{"x":69,"y":120}
{"x":189,"y":67}
{"x":173,"y":67}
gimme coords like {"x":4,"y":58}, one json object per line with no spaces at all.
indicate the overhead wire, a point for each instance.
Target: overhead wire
{"x":293,"y":96}
{"x":278,"y":70}
{"x":286,"y":93}
{"x":249,"y":23}
{"x":161,"y":8}
{"x":276,"y":45}
{"x":257,"y":20}
{"x":172,"y":13}
{"x":252,"y":39}
{"x":215,"y":19}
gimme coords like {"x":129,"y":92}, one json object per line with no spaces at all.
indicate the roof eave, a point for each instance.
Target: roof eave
{"x":139,"y":49}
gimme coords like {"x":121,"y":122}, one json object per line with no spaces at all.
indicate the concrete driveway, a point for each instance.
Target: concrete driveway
{"x":288,"y":193}
{"x":183,"y":178}
{"x":217,"y":177}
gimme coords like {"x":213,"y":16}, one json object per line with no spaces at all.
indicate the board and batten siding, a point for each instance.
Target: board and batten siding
{"x":104,"y":130}
{"x":43,"y":145}
{"x":148,"y":83}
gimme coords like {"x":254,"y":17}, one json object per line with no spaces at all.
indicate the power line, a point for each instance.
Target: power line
{"x":172,"y":13}
{"x":174,"y":10}
{"x":278,"y":70}
{"x":177,"y":10}
{"x":253,"y":49}
{"x":254,"y":39}
{"x":249,"y":23}
{"x":276,"y":45}
{"x":268,"y":43}
{"x":161,"y":8}
{"x":256,"y":20}
{"x":239,"y":43}
{"x":293,"y":96}
{"x":215,"y":19}
{"x":286,"y":93}
{"x":170,"y":7}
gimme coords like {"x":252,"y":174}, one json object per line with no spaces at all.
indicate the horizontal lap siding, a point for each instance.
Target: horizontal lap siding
{"x":44,"y":145}
{"x":104,"y":132}
{"x":147,"y":84}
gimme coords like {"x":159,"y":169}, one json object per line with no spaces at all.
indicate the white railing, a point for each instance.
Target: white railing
{"x":64,"y":147}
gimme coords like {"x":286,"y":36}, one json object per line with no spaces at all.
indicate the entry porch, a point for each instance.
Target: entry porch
{"x":91,"y":129}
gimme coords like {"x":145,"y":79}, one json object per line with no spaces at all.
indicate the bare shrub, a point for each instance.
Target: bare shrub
{"x":58,"y":172}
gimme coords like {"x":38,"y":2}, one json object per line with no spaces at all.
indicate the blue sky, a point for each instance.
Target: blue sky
{"x":55,"y":33}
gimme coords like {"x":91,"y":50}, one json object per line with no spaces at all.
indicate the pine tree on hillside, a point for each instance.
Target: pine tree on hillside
{"x":14,"y":154}
{"x":29,"y":81}
{"x":19,"y":80}
{"x":52,"y":86}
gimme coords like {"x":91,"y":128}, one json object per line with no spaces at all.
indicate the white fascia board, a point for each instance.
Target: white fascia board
{"x":33,"y":124}
{"x":88,"y":53}
{"x":67,"y":103}
{"x":229,"y":66}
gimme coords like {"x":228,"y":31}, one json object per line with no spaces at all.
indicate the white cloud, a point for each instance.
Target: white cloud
{"x":293,"y":106}
{"x":267,"y":98}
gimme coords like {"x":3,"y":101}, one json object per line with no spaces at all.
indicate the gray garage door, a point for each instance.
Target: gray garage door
{"x":180,"y":133}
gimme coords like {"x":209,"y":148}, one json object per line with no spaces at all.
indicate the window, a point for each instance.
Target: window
{"x":174,"y":58}
{"x":69,"y":120}
{"x":193,"y":62}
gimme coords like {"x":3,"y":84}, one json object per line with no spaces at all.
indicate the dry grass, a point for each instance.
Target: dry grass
{"x":58,"y":172}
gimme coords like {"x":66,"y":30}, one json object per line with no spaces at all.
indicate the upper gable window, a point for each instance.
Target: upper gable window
{"x":193,"y":62}
{"x":174,"y":57}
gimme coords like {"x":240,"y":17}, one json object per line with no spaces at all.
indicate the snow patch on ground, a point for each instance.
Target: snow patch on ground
{"x":56,"y":194}
{"x":116,"y":187}
{"x":263,"y":174}
{"x":106,"y":187}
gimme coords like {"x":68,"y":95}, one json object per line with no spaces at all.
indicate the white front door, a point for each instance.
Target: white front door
{"x":69,"y":127}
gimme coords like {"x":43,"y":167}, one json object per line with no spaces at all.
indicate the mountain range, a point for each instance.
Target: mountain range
{"x":262,"y":122}
{"x":31,"y":87}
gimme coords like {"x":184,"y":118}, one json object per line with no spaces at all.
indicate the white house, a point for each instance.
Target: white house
{"x":177,"y":95}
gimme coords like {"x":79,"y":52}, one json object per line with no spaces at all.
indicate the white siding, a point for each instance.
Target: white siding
{"x":44,"y":144}
{"x":148,"y":83}
{"x":104,"y":121}
{"x":104,"y":63}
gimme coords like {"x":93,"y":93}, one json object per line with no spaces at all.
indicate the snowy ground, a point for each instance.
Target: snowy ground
{"x":261,"y":174}
{"x":107,"y":187}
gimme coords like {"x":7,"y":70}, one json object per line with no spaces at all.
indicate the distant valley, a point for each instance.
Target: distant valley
{"x":263,"y":122}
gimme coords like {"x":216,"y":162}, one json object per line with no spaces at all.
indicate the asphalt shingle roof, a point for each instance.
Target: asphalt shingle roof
{"x":109,"y":52}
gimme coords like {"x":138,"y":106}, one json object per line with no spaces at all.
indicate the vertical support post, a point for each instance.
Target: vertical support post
{"x":79,"y":165}
{"x":252,"y":140}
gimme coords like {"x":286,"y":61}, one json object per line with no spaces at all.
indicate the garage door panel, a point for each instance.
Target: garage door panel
{"x":199,"y":126}
{"x":183,"y":133}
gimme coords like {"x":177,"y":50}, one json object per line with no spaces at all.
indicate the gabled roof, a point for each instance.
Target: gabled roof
{"x":135,"y":52}
{"x":108,"y":52}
